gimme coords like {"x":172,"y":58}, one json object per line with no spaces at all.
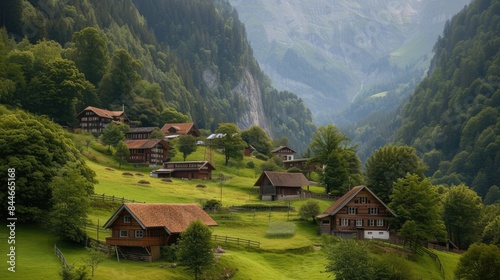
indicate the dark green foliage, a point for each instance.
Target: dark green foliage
{"x":342,"y":167}
{"x":250,"y":164}
{"x":230,"y":142}
{"x":38,"y":150}
{"x":389,"y":163}
{"x":347,"y":260}
{"x":113,"y":133}
{"x":462,"y":209}
{"x":121,"y":153}
{"x":392,"y":267}
{"x":309,"y":210}
{"x":186,"y":145}
{"x":170,"y":115}
{"x":479,"y":262}
{"x":10,"y":17}
{"x":195,"y":248}
{"x":70,"y":272}
{"x":157,"y":134}
{"x":90,"y":54}
{"x":453,"y":114}
{"x":169,"y":253}
{"x":493,"y":196}
{"x":491,"y":233}
{"x":418,"y":209}
{"x":258,"y":138}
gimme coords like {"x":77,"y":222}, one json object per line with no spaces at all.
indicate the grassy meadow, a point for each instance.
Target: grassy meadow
{"x":289,"y":248}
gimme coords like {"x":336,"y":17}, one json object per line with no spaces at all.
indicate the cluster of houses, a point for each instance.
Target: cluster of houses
{"x":141,"y":229}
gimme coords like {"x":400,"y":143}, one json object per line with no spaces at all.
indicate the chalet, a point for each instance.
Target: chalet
{"x":140,"y":132}
{"x":300,"y":163}
{"x":151,"y":151}
{"x":357,"y":214}
{"x":185,"y":170}
{"x":94,"y":119}
{"x":138,"y":230}
{"x":284,"y":152}
{"x":177,"y":129}
{"x":280,"y":185}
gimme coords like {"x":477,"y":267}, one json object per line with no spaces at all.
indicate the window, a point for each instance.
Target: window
{"x":344,"y":222}
{"x":139,"y":234}
{"x":380,"y":232}
{"x":373,"y":210}
{"x":359,"y":222}
{"x":371,"y":223}
{"x":352,"y":210}
{"x":123,"y":233}
{"x":380,"y":222}
{"x":363,"y":199}
{"x":127,"y":219}
{"x":326,"y":221}
{"x":369,"y":233}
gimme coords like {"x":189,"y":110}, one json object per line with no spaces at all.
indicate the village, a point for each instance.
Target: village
{"x":139,"y":231}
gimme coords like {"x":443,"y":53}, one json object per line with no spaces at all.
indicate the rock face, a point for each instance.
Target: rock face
{"x":331,"y":52}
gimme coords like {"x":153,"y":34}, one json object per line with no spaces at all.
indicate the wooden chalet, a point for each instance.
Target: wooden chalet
{"x":151,"y":151}
{"x":357,"y":214}
{"x":140,"y":132}
{"x":284,"y":152}
{"x":138,"y":230}
{"x":177,"y":129}
{"x":300,"y":163}
{"x":94,"y":119}
{"x":185,"y":170}
{"x":281,"y":185}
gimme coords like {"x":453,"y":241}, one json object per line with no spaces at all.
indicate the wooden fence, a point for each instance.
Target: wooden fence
{"x":112,"y":199}
{"x":436,"y":259}
{"x":236,"y":241}
{"x":60,"y":256}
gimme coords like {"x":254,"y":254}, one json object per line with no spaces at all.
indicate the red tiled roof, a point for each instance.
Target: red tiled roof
{"x":144,"y":143}
{"x":104,"y":113}
{"x":181,"y":128}
{"x":175,"y":218}
{"x":346,"y":198}
{"x":284,"y":179}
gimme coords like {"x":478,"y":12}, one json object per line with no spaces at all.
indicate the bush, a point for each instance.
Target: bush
{"x":168,"y":253}
{"x":309,"y":210}
{"x":212,"y":203}
{"x":261,"y":156}
{"x":294,"y":170}
{"x":250,"y":164}
{"x":391,"y":266}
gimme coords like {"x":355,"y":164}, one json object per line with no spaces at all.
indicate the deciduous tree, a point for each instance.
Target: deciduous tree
{"x":230,"y":142}
{"x":479,"y":262}
{"x":186,"y":145}
{"x":462,"y":212}
{"x":122,"y":153}
{"x":195,"y":248}
{"x":347,"y":260}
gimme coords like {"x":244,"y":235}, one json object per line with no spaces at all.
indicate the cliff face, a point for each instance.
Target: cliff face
{"x":331,"y":53}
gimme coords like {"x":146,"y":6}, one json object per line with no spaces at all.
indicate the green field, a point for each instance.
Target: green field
{"x":296,"y":254}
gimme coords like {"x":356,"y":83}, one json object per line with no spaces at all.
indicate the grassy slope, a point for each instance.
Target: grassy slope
{"x":279,"y":258}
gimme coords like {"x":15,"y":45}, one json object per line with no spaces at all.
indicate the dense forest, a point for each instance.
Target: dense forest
{"x":452,"y":119}
{"x":148,"y":56}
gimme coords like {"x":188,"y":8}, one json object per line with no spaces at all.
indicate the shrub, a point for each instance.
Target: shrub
{"x":250,"y":164}
{"x":294,"y":170}
{"x":169,"y":253}
{"x":261,"y":156}
{"x":309,"y":210}
{"x":212,"y":203}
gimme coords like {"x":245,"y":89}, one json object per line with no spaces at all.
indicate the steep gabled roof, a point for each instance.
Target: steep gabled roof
{"x":141,"y":130}
{"x":103,"y":113}
{"x":283,"y":179}
{"x":175,"y":218}
{"x":277,"y":150}
{"x":180,"y":128}
{"x":145,"y":143}
{"x":346,"y":198}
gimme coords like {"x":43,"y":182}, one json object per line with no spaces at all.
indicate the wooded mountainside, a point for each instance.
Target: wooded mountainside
{"x":192,"y":56}
{"x":452,"y":119}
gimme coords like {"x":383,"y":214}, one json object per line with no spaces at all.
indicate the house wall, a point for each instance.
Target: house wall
{"x":154,"y":156}
{"x":363,"y":205}
{"x":91,"y":122}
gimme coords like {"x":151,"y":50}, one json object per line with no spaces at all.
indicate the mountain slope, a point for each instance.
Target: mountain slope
{"x":453,"y":117}
{"x":332,"y":53}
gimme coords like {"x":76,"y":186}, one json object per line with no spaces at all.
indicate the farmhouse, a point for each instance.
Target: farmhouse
{"x":284,"y":152}
{"x":140,"y":132}
{"x":94,"y":119}
{"x":185,"y":170}
{"x":280,"y":185}
{"x":177,"y":129}
{"x":139,"y":230}
{"x":151,"y":151}
{"x":357,"y":214}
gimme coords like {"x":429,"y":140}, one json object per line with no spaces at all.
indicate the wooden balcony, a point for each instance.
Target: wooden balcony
{"x":136,"y":242}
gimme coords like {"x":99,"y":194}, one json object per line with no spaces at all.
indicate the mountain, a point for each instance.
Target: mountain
{"x":345,"y":59}
{"x":192,"y":56}
{"x":453,"y":117}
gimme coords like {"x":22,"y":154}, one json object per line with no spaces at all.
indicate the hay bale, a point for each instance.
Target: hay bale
{"x":144,"y":182}
{"x":167,"y":180}
{"x":201,"y":186}
{"x":127,"y":174}
{"x":109,"y":169}
{"x":139,"y":174}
